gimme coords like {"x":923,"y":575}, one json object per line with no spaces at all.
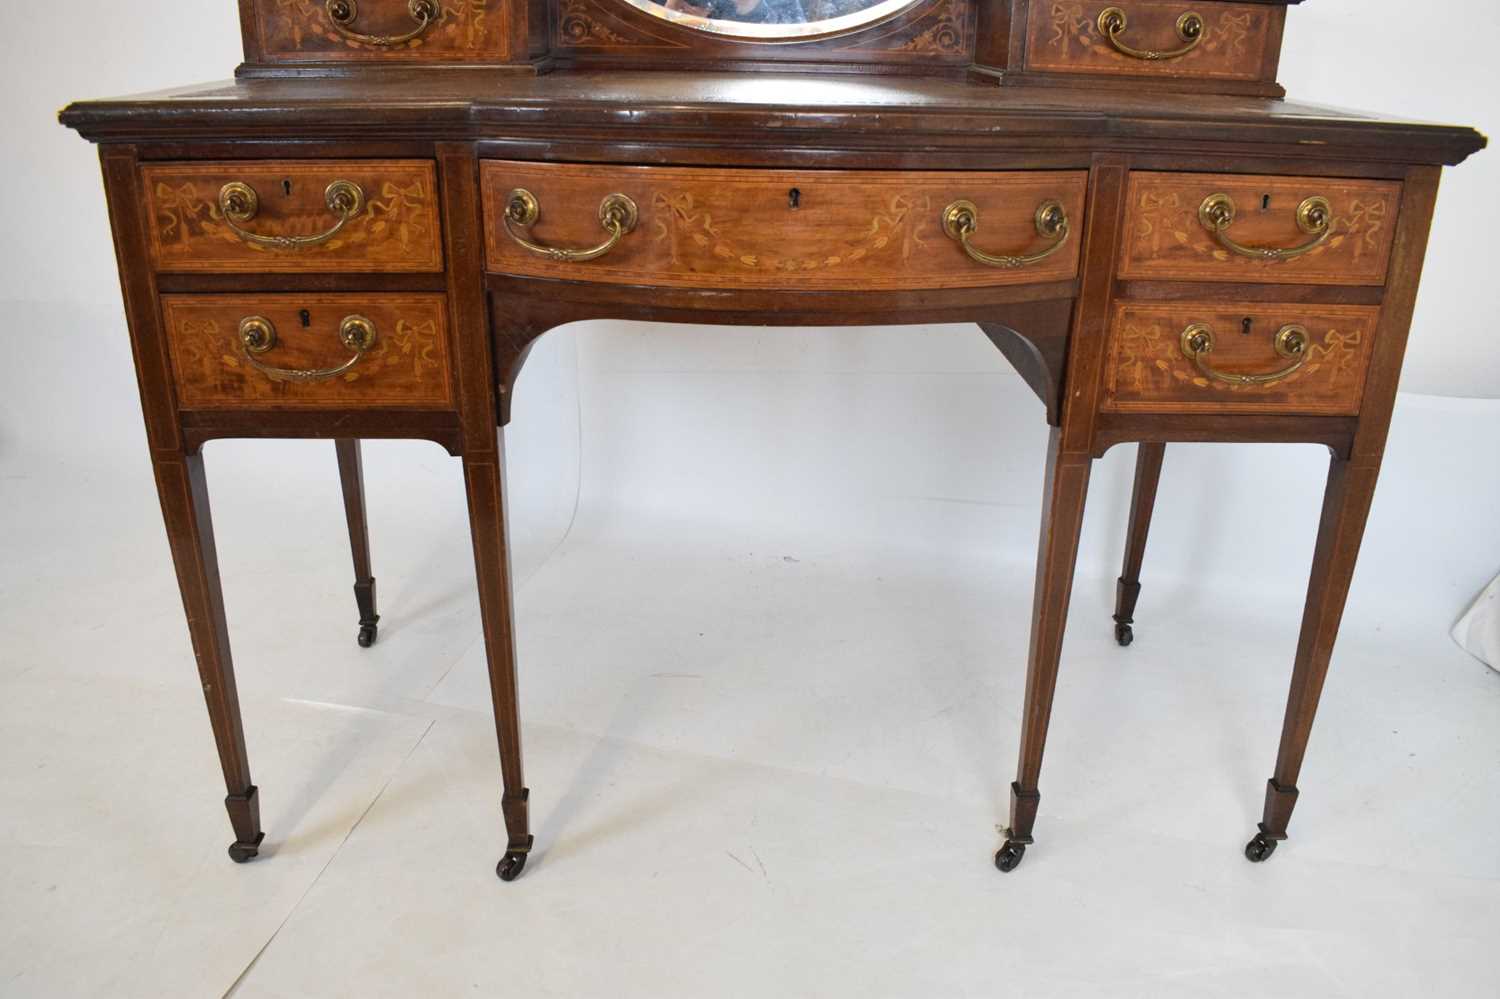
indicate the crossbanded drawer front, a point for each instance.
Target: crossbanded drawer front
{"x":1253,"y":357}
{"x":309,"y":351}
{"x":291,"y":216}
{"x":1264,"y":230}
{"x":381,"y":30}
{"x":1158,"y":38}
{"x":782,"y":229}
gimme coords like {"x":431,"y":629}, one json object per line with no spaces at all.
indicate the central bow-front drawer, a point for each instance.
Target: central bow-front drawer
{"x":786,"y":229}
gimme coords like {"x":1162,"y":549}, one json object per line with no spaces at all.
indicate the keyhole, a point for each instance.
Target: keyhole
{"x":286,"y":186}
{"x":794,"y":198}
{"x":306,"y":318}
{"x":1265,"y":203}
{"x":1245,"y":326}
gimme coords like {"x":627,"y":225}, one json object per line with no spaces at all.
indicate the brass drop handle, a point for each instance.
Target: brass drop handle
{"x":961,"y":222}
{"x":258,"y":335}
{"x":1291,"y":342}
{"x":1112,"y":24}
{"x":1314,"y":217}
{"x":343,"y":14}
{"x":239,"y":203}
{"x":617,"y":214}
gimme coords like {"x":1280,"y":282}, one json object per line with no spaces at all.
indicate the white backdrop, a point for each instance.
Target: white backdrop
{"x":917,"y":437}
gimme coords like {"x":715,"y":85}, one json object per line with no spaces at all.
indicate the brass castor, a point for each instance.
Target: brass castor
{"x":1010,"y":856}
{"x":367,"y":634}
{"x":511,"y":866}
{"x":1259,"y":849}
{"x":1124,"y":634}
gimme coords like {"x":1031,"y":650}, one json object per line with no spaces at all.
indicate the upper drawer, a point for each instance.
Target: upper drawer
{"x":1156,"y":38}
{"x":380,"y":30}
{"x":1265,"y":230}
{"x":368,"y":216}
{"x":805,"y":229}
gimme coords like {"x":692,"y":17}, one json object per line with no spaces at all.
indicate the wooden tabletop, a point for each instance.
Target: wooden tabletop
{"x":458,"y":103}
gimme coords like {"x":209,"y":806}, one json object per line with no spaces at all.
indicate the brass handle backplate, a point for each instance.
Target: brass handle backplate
{"x":1314,"y":217}
{"x":961,"y":222}
{"x":1112,"y":24}
{"x":1291,"y":342}
{"x":258,"y":335}
{"x":343,"y":14}
{"x":239,"y":203}
{"x":617,"y":214}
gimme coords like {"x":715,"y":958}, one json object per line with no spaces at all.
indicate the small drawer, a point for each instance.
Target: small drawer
{"x":806,"y":229}
{"x":309,"y":351}
{"x":380,"y":30}
{"x":1263,"y":230}
{"x":287,"y":216}
{"x":1165,"y":39}
{"x":1198,"y":357}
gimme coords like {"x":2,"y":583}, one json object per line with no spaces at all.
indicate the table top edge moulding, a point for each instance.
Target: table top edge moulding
{"x":363,"y":233}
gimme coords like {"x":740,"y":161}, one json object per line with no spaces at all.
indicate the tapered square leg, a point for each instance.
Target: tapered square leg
{"x":1346,"y":507}
{"x":484,"y":481}
{"x":1142,"y":504}
{"x":1062,"y":521}
{"x":183,"y":489}
{"x":352,"y":478}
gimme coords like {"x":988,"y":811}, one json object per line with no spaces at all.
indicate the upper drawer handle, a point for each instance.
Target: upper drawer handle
{"x":1290,"y":342}
{"x":617,"y":214}
{"x":238,"y":203}
{"x":1112,"y":25}
{"x":1314,"y":217}
{"x":344,"y":12}
{"x":961,"y":222}
{"x":258,"y":335}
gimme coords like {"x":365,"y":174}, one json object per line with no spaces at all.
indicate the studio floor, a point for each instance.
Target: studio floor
{"x":759,"y":766}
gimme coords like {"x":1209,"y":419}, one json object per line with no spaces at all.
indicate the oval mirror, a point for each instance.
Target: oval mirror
{"x":772,"y":19}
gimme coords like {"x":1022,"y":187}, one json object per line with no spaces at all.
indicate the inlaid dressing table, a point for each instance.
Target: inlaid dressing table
{"x":363,"y":234}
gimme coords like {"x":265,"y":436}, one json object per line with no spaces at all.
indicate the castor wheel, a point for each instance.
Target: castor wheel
{"x":511,"y":867}
{"x":367,"y":633}
{"x":243,"y":853}
{"x":1259,"y":849}
{"x":1010,"y":856}
{"x":1124,"y":634}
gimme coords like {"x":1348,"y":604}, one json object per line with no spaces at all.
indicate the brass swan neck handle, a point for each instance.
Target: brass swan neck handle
{"x":238,"y":203}
{"x":343,"y":14}
{"x":258,"y":335}
{"x":617,"y":214}
{"x":1291,"y":342}
{"x":961,"y":222}
{"x":1112,"y":24}
{"x":1314,"y":217}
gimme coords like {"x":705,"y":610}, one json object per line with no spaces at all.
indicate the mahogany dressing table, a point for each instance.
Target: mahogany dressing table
{"x":363,"y":235}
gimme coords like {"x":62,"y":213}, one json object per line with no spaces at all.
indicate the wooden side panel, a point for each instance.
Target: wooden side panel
{"x":1147,"y":370}
{"x":396,"y":231}
{"x":1166,"y":241}
{"x":408,"y":366}
{"x":827,"y":230}
{"x":303,"y":31}
{"x":1239,"y":40}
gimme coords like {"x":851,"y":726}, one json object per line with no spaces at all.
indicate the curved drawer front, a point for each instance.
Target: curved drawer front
{"x":381,"y":30}
{"x":309,"y":351}
{"x":1233,"y":228}
{"x":287,"y":216}
{"x":784,"y":229}
{"x":1155,"y":366}
{"x":1161,"y":38}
